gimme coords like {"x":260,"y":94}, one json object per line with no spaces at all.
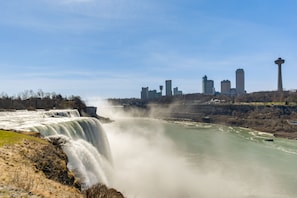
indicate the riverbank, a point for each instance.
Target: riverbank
{"x":33,"y":167}
{"x":266,"y":118}
{"x":274,"y":119}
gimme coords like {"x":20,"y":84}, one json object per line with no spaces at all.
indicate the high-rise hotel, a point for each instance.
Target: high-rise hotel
{"x":207,"y":86}
{"x":240,"y":82}
{"x":226,"y":87}
{"x":168,"y":87}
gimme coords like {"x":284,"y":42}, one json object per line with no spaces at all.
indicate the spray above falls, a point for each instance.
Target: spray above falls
{"x":84,"y":140}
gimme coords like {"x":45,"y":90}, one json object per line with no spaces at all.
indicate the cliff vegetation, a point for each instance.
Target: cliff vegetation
{"x":33,"y":167}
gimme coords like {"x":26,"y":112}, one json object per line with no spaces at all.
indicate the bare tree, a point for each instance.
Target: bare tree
{"x":40,"y":93}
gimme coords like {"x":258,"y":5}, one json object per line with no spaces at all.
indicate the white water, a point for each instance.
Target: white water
{"x":158,"y":159}
{"x":86,"y":145}
{"x":152,"y":158}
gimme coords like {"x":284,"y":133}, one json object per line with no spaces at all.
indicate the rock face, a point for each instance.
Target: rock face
{"x":266,"y":118}
{"x":39,"y":169}
{"x":52,"y":161}
{"x":101,"y":191}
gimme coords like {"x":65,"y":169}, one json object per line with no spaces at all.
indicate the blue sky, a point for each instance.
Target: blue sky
{"x":112,"y":48}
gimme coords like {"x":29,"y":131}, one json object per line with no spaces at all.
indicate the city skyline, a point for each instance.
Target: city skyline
{"x":110,"y":49}
{"x":147,"y":93}
{"x":208,"y":88}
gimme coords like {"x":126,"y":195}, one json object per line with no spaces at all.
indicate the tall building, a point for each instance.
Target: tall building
{"x":144,"y":93}
{"x":207,"y":86}
{"x":168,"y":87}
{"x":226,"y":87}
{"x":240,"y":82}
{"x":204,"y":82}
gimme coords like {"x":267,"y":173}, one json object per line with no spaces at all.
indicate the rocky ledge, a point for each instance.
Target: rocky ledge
{"x":39,"y":169}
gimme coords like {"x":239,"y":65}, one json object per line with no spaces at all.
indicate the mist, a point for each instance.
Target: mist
{"x":149,"y":162}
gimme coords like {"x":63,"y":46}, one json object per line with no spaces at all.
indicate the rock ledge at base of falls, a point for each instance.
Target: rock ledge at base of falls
{"x":39,"y":169}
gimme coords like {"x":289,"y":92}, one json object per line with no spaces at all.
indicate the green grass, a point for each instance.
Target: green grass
{"x":10,"y":137}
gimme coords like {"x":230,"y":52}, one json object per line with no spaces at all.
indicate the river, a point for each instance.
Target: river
{"x":154,"y":158}
{"x":149,"y":158}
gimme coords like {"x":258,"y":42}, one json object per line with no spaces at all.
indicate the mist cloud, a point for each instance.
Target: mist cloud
{"x":147,"y":163}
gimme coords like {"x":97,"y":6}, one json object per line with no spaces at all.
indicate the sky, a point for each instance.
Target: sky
{"x":113,"y":48}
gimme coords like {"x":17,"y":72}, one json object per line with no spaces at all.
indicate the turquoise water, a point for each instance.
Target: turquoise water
{"x":154,"y":158}
{"x":247,"y":149}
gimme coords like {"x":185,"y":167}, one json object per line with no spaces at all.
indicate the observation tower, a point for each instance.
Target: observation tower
{"x":279,"y":62}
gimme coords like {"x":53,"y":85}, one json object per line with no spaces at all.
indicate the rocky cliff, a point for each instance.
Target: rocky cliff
{"x":276,"y":119}
{"x":32,"y":167}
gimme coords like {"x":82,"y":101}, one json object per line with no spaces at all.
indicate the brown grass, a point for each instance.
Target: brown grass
{"x":18,"y":171}
{"x":32,"y":167}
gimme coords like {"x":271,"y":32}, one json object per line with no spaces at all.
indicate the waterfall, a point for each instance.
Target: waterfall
{"x":86,"y":143}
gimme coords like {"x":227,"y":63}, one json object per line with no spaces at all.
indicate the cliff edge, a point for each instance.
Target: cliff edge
{"x":33,"y":167}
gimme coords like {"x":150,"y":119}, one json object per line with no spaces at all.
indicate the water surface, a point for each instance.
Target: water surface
{"x":154,"y":158}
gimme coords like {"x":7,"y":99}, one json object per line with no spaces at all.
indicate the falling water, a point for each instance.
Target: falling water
{"x":153,"y":158}
{"x":86,"y":144}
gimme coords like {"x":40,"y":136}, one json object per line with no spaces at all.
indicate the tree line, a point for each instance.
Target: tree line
{"x":31,"y":100}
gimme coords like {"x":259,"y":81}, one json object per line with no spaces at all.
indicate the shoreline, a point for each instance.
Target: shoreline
{"x":272,"y":119}
{"x":265,"y":135}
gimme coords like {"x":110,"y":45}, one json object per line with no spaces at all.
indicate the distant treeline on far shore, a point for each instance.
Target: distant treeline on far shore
{"x":273,"y":97}
{"x":31,"y":100}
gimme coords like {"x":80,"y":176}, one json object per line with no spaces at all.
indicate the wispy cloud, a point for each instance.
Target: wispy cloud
{"x":72,"y":15}
{"x":106,"y":9}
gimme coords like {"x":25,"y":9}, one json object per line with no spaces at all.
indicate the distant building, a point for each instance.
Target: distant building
{"x":233,"y":92}
{"x":177,"y":92}
{"x":153,"y":94}
{"x":147,"y":94}
{"x":240,"y":82}
{"x":92,"y":111}
{"x":226,"y":87}
{"x":144,"y":93}
{"x":279,"y":62}
{"x":161,"y":89}
{"x":207,"y":86}
{"x":168,"y":87}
